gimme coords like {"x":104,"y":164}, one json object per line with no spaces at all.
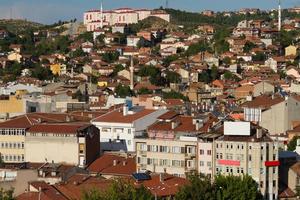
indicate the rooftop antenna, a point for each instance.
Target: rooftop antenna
{"x":279,"y":15}
{"x":167,"y":3}
{"x":101,"y":15}
{"x":11,"y":13}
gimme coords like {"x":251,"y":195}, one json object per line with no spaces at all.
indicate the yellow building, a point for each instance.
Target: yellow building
{"x":58,"y":69}
{"x":102,"y":83}
{"x":291,"y":51}
{"x":14,"y":57}
{"x":12,"y":105}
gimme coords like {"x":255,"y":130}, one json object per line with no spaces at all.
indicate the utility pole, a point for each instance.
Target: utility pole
{"x":101,"y":15}
{"x":279,"y":15}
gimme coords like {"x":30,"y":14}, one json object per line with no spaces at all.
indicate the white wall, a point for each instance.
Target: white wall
{"x":58,"y":149}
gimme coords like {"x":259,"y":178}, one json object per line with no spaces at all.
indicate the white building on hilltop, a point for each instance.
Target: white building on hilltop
{"x":92,"y":18}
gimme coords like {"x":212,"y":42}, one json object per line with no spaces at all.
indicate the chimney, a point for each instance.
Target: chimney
{"x":161,"y":177}
{"x":258,"y":133}
{"x":197,"y":126}
{"x":174,"y":124}
{"x":125,"y":110}
{"x":115,"y":162}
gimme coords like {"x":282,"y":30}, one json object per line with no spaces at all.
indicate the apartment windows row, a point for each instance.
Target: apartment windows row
{"x":163,"y":162}
{"x":202,"y":164}
{"x":236,"y":170}
{"x":231,"y":146}
{"x":12,"y":132}
{"x":51,"y":135}
{"x":208,"y":152}
{"x":12,"y":145}
{"x":12,"y":158}
{"x":168,"y":149}
{"x":116,"y":130}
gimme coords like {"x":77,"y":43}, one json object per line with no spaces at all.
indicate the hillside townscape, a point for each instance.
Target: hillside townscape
{"x":134,"y":104}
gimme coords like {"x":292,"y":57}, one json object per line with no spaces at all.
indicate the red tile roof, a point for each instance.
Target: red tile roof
{"x":105,"y":165}
{"x":116,"y":116}
{"x":47,"y":192}
{"x":168,"y":187}
{"x":57,"y":128}
{"x":78,"y":183}
{"x":263,"y":101}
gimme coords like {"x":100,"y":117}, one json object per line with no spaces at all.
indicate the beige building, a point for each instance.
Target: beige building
{"x":263,"y":88}
{"x":291,"y":50}
{"x":70,"y":143}
{"x":245,"y":149}
{"x":273,"y":112}
{"x":173,"y":144}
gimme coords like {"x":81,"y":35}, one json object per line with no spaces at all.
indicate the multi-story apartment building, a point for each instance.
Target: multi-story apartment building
{"x":119,"y":127}
{"x":247,"y":149}
{"x":92,"y":19}
{"x":14,"y":131}
{"x":71,"y":143}
{"x":172,"y":145}
{"x":272,"y":112}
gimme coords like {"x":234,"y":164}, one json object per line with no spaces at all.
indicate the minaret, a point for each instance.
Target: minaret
{"x":101,"y":15}
{"x":279,"y":15}
{"x":131,"y":73}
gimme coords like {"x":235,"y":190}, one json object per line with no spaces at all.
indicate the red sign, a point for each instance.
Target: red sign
{"x":272,"y":163}
{"x":229,"y":162}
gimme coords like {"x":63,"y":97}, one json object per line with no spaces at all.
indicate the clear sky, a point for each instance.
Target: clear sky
{"x":49,"y":11}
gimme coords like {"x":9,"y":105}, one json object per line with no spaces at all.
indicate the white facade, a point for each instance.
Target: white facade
{"x":116,"y":136}
{"x":92,"y":19}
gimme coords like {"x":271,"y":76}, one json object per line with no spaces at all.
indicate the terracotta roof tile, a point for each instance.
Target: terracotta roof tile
{"x":105,"y":165}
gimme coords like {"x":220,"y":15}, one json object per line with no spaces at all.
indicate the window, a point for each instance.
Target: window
{"x":176,"y":163}
{"x":209,"y":152}
{"x":176,"y":150}
{"x":190,"y":149}
{"x":238,"y":170}
{"x":129,"y":131}
{"x":201,"y":152}
{"x":274,"y":156}
{"x":208,"y":164}
{"x":242,"y":170}
{"x":163,"y":162}
{"x":22,"y":145}
{"x":274,"y":170}
{"x":129,"y":142}
{"x":250,"y":158}
{"x":81,"y":148}
{"x":164,"y":149}
{"x":201,"y":163}
{"x":261,"y":170}
{"x":274,"y":183}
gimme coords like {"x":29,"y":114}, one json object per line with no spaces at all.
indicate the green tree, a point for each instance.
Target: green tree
{"x":248,"y":46}
{"x":7,"y":194}
{"x":259,"y":57}
{"x":236,"y":188}
{"x":120,"y":189}
{"x":228,"y":75}
{"x":293,"y":143}
{"x":110,"y":57}
{"x":167,"y":61}
{"x":78,"y":53}
{"x":204,"y":77}
{"x":174,"y":95}
{"x":144,"y":91}
{"x":41,"y":73}
{"x":226,"y":60}
{"x":173,"y":77}
{"x":214,"y":74}
{"x":200,"y":188}
{"x":117,"y":69}
{"x":197,"y":47}
{"x":123,"y":91}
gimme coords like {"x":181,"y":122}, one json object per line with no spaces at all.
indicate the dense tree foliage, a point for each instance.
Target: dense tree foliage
{"x":123,"y":91}
{"x":6,"y":194}
{"x":223,"y":188}
{"x":198,"y":47}
{"x":174,"y":95}
{"x":293,"y":143}
{"x":110,"y":57}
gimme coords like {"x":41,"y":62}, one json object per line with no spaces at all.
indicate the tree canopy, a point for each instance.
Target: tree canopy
{"x":223,"y":188}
